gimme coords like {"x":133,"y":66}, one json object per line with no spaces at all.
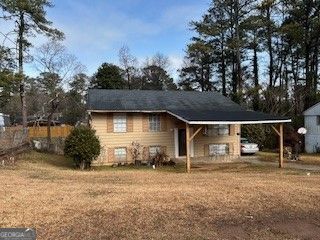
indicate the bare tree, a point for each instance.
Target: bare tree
{"x":160,"y":60}
{"x":128,"y":63}
{"x":57,"y":67}
{"x":52,"y":57}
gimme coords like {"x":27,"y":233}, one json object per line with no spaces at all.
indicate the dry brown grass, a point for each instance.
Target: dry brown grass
{"x":229,"y":201}
{"x":305,"y":158}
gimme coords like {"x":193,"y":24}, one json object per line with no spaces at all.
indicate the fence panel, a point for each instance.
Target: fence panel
{"x":56,"y":131}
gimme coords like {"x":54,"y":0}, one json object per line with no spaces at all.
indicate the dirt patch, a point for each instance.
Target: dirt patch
{"x":301,"y":229}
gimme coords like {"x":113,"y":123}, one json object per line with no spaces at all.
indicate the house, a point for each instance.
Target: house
{"x":312,"y":124}
{"x":186,"y":125}
{"x":4,"y":120}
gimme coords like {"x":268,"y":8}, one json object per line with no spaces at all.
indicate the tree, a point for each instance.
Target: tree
{"x":301,"y":26}
{"x":197,"y":72}
{"x":154,"y":74}
{"x":254,"y":32}
{"x":156,"y":78}
{"x":75,"y":109}
{"x":222,"y":28}
{"x":30,"y":19}
{"x":267,"y":8}
{"x":49,"y":83}
{"x":128,"y":63}
{"x":56,"y":66}
{"x":108,"y":76}
{"x":7,"y":76}
{"x":82,"y":146}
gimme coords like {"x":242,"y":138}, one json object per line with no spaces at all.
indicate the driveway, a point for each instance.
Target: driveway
{"x":294,"y":165}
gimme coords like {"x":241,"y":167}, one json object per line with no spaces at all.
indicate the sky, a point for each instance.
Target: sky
{"x":95,"y":30}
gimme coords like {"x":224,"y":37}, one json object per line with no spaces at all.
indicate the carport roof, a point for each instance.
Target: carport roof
{"x":189,"y":106}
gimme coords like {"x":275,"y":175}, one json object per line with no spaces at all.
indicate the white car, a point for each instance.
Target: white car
{"x":247,"y":147}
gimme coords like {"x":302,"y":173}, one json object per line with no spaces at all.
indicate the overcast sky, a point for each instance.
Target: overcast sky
{"x":96,"y":29}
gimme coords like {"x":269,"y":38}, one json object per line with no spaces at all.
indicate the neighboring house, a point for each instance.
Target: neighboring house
{"x":4,"y":121}
{"x":165,"y":121}
{"x":312,"y":124}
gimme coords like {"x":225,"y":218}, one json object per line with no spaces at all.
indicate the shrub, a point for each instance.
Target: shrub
{"x":160,"y":159}
{"x":83,"y":146}
{"x":136,"y":151}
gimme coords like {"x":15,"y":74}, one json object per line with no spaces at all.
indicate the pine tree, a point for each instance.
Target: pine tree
{"x":30,"y":18}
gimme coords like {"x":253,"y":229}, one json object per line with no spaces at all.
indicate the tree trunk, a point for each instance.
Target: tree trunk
{"x":20,"y":64}
{"x":49,"y":131}
{"x":238,"y":53}
{"x":256,"y":99}
{"x":128,"y":78}
{"x":202,"y":78}
{"x":316,"y":67}
{"x":270,"y":50}
{"x":83,"y":165}
{"x":223,"y":70}
{"x":234,"y":77}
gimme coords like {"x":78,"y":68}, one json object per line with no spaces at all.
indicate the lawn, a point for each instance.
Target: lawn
{"x":305,"y":158}
{"x":225,"y":201}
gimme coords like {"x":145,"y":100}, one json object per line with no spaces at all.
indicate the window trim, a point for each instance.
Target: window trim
{"x":115,"y":130}
{"x":157,"y":125}
{"x":217,"y":128}
{"x":125,"y":155}
{"x":226,"y":151}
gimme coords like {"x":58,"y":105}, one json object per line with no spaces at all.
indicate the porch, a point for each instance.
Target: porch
{"x":195,"y":123}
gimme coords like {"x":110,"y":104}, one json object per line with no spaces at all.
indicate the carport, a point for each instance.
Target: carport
{"x":199,"y":118}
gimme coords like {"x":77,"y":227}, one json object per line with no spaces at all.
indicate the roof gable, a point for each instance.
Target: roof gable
{"x":313,"y":111}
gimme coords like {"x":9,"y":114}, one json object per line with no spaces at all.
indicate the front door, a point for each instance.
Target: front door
{"x":182,"y":142}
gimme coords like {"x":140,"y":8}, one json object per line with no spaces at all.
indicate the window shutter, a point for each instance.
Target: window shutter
{"x":163,"y":122}
{"x":110,"y":122}
{"x":231,"y":149}
{"x":206,"y":150}
{"x":110,"y":154}
{"x":129,"y":122}
{"x":128,"y":155}
{"x":232,"y":130}
{"x":145,"y":123}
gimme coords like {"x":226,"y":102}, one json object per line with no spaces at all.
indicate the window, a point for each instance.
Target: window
{"x":219,"y":129}
{"x":154,"y":123}
{"x":218,"y":149}
{"x":318,"y":120}
{"x":153,"y":150}
{"x":120,"y":154}
{"x":119,"y":123}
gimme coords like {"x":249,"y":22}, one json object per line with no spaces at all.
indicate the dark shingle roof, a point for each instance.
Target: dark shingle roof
{"x":189,"y":105}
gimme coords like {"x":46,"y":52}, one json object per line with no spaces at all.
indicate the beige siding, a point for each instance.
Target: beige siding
{"x":201,"y":142}
{"x":165,"y":138}
{"x":110,"y":140}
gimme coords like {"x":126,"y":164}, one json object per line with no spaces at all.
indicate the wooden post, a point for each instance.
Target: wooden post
{"x":188,"y":163}
{"x":280,"y":134}
{"x":281,"y":145}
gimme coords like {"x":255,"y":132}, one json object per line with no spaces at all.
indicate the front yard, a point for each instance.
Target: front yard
{"x":305,"y":158}
{"x":225,"y":201}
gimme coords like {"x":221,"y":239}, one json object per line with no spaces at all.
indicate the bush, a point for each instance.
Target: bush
{"x":160,"y":159}
{"x":83,"y":146}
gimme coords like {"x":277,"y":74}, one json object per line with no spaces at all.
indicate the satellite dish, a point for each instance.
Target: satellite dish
{"x":302,"y":131}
